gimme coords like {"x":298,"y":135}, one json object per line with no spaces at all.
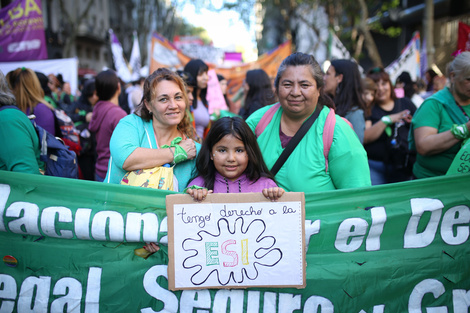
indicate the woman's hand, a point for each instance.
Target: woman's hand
{"x":373,"y":132}
{"x":198,"y":194}
{"x":152,"y":247}
{"x":403,"y":115}
{"x":273,"y":193}
{"x":190,"y":147}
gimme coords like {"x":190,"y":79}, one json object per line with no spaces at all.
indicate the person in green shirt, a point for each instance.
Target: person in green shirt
{"x":19,"y":142}
{"x":298,"y":85}
{"x":442,"y":122}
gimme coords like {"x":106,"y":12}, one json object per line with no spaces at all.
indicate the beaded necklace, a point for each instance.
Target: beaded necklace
{"x":463,"y":111}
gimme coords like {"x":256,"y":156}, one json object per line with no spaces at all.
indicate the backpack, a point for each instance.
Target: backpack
{"x":58,"y":159}
{"x":328,"y":128}
{"x":67,"y":128}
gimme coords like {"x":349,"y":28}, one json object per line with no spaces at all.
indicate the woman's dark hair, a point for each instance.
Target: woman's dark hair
{"x":196,"y":67}
{"x":106,"y":83}
{"x":220,"y":78}
{"x":44,"y":80}
{"x":88,"y":90}
{"x":188,"y":79}
{"x":260,"y":89}
{"x":349,"y":91}
{"x":239,"y":129}
{"x":432,"y":74}
{"x":303,"y":59}
{"x":408,"y":85}
{"x":378,"y":73}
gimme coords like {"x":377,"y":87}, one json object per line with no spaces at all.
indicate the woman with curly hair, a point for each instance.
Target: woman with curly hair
{"x":160,"y":120}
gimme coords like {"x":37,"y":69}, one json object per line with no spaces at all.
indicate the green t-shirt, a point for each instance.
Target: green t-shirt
{"x":432,"y":113}
{"x":19,"y":150}
{"x":304,"y":170}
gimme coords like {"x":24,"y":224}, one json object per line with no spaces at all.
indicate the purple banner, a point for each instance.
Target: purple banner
{"x":22,"y":32}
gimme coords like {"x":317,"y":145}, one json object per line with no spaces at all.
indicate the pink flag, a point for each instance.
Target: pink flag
{"x":214,"y":94}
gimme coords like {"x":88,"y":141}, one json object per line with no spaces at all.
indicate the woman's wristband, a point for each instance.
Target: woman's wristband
{"x":387,"y":120}
{"x":172,"y":152}
{"x":460,"y":132}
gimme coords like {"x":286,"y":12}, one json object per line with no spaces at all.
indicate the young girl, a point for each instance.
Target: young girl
{"x":230,"y":161}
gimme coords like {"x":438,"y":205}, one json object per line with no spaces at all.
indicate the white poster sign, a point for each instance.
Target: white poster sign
{"x":236,"y":241}
{"x":408,"y":61}
{"x":67,"y":67}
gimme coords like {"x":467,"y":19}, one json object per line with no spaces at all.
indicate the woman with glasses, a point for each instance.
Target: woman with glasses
{"x":386,"y":133}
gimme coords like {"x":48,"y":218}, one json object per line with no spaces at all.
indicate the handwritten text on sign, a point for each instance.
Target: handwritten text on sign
{"x":238,"y":244}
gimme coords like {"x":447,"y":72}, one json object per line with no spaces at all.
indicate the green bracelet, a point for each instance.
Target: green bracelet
{"x":180,"y":154}
{"x":194,"y":187}
{"x":460,"y":131}
{"x":386,"y":120}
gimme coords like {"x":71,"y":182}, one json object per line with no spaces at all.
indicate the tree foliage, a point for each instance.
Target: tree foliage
{"x":150,"y":16}
{"x":349,"y":19}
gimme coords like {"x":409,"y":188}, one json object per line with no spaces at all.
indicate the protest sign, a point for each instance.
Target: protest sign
{"x":22,"y":35}
{"x":215,"y":97}
{"x":236,"y":241}
{"x":68,"y":68}
{"x":461,"y":163}
{"x":68,"y":246}
{"x":408,"y":61}
{"x":164,"y":54}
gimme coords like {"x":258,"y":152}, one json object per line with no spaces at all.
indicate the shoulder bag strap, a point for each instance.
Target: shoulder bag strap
{"x":294,"y":141}
{"x":328,"y":132}
{"x":266,"y":119}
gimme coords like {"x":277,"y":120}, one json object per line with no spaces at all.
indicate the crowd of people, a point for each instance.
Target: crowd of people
{"x":309,"y":131}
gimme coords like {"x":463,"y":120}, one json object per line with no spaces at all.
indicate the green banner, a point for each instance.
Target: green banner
{"x":68,"y":246}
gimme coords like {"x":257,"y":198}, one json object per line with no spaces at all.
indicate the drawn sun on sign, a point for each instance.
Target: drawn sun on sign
{"x":231,"y":255}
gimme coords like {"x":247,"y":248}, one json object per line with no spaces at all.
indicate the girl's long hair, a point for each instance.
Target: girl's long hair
{"x":239,"y":129}
{"x":196,"y":67}
{"x":148,"y":95}
{"x":27,"y":90}
{"x":349,"y":92}
{"x":260,"y":89}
